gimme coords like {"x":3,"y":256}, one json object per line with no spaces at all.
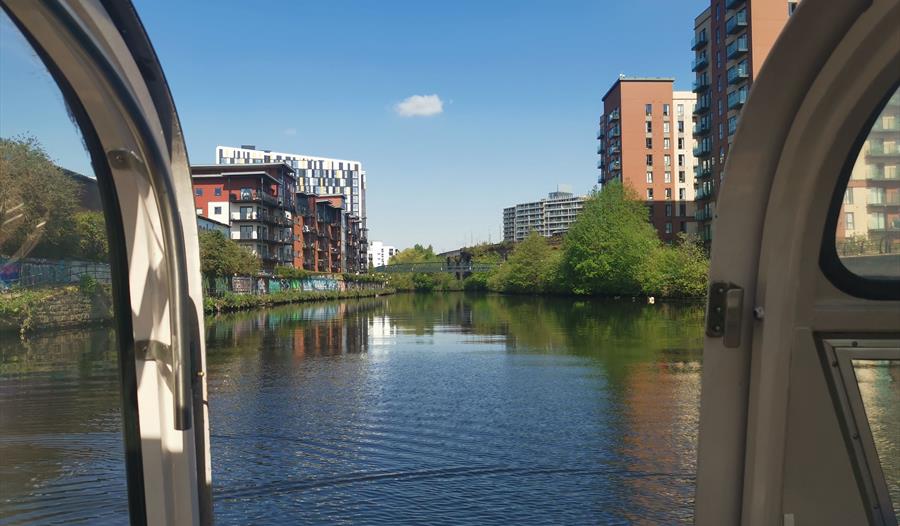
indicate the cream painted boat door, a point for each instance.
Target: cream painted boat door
{"x":102,"y":61}
{"x":800,"y":409}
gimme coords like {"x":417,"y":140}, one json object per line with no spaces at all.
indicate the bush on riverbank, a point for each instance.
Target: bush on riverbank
{"x":610,"y":250}
{"x":232,"y":302}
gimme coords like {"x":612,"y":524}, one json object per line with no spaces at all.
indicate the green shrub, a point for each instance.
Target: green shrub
{"x":87,"y":285}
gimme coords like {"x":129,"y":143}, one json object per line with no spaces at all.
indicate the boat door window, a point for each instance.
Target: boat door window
{"x":62,"y":458}
{"x":862,"y":241}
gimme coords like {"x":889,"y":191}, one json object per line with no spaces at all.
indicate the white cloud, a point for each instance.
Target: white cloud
{"x":420,"y":106}
{"x":290,"y":131}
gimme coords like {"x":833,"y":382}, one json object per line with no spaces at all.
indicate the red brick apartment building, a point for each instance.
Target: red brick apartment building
{"x":732,"y":39}
{"x":645,"y":143}
{"x":257,"y":201}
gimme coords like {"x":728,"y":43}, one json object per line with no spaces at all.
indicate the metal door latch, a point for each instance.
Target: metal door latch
{"x":724,"y":312}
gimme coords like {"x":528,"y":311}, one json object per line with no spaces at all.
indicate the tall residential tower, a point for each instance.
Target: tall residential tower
{"x":645,"y":143}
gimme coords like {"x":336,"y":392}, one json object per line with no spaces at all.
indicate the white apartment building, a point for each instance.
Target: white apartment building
{"x":549,"y":217}
{"x":686,"y":163}
{"x":315,"y":175}
{"x":379,"y":254}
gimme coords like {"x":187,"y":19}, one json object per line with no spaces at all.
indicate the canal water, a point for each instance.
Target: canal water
{"x":425,"y":409}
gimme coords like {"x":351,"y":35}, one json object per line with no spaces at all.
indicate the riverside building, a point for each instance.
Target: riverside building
{"x":645,"y":143}
{"x":549,"y":217}
{"x":731,"y":41}
{"x":380,"y":254}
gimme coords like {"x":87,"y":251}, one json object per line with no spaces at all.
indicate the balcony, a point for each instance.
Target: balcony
{"x":703,"y":126}
{"x":736,"y":99}
{"x":738,"y":47}
{"x":890,"y":126}
{"x":702,"y":214}
{"x":731,"y":4}
{"x":614,"y":148}
{"x":699,"y":41}
{"x":253,"y":196}
{"x":888,"y":200}
{"x":615,"y":132}
{"x":613,"y":116}
{"x":700,"y":85}
{"x":738,"y":73}
{"x":732,"y":126}
{"x":702,"y":172}
{"x":879,"y":151}
{"x":737,"y":22}
{"x":699,"y":63}
{"x":600,"y":148}
{"x":703,"y":192}
{"x":600,"y":132}
{"x":702,"y":106}
{"x":703,"y":149}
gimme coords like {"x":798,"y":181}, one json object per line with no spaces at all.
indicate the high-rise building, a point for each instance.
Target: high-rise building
{"x":645,"y":144}
{"x":315,"y":175}
{"x":731,"y":41}
{"x":380,"y":254}
{"x":548,"y":217}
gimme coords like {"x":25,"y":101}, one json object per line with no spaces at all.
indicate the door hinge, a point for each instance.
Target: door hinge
{"x":724,"y":311}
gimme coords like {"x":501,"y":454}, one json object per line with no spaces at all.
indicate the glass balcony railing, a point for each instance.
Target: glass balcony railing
{"x":702,"y":106}
{"x":881,"y":151}
{"x":699,"y":41}
{"x":702,"y":214}
{"x":702,"y":172}
{"x":614,"y":132}
{"x":738,"y":73}
{"x":699,"y":63}
{"x":736,"y":99}
{"x":737,"y":48}
{"x":600,"y":132}
{"x":703,"y":126}
{"x":731,"y":4}
{"x":703,"y":149}
{"x":613,"y":116}
{"x":889,"y":126}
{"x":737,"y":22}
{"x":700,"y":85}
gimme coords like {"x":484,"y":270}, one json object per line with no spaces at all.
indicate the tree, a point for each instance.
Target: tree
{"x":220,"y":256}
{"x":606,"y":249}
{"x":416,"y":254}
{"x":531,"y":268}
{"x":681,"y":269}
{"x":37,"y":200}
{"x":90,"y":232}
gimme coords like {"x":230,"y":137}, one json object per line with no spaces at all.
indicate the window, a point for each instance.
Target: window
{"x":679,"y":110}
{"x":668,"y":210}
{"x":217,"y":210}
{"x":649,"y":194}
{"x":721,"y":106}
{"x":667,"y":160}
{"x":668,"y":177}
{"x":199,"y":211}
{"x":681,"y":194}
{"x":681,"y":176}
{"x":681,"y":143}
{"x":649,"y":126}
{"x":665,"y":110}
{"x":682,"y":211}
{"x":860,"y":259}
{"x":680,"y":159}
{"x":667,"y":144}
{"x":648,"y":109}
{"x":198,"y":191}
{"x":668,"y":228}
{"x":218,"y":191}
{"x":666,"y":127}
{"x":668,"y":193}
{"x":649,"y":143}
{"x":649,"y":177}
{"x":649,"y":159}
{"x":680,"y":126}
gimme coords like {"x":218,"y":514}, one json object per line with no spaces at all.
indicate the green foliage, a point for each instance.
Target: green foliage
{"x":88,"y":285}
{"x":532,"y":268}
{"x":34,"y":191}
{"x":232,"y":302}
{"x":423,"y":282}
{"x":477,"y":282}
{"x":606,"y":249}
{"x":285,"y":272}
{"x":679,"y":270}
{"x":416,"y":254}
{"x":220,"y":256}
{"x":365,"y":278}
{"x":90,"y":232}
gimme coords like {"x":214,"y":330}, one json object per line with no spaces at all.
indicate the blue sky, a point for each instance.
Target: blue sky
{"x":520,"y":83}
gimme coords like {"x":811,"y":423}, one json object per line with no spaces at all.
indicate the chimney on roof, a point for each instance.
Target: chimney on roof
{"x":248,"y":146}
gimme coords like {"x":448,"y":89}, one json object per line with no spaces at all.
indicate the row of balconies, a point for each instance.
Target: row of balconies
{"x":256,"y":236}
{"x":737,"y":22}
